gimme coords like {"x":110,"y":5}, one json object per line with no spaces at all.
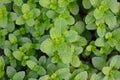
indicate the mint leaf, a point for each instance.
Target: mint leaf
{"x":74,"y":8}
{"x":19,"y":76}
{"x":65,"y":53}
{"x":2,"y":66}
{"x":60,"y":23}
{"x":81,"y":76}
{"x":63,"y":73}
{"x":20,"y":21}
{"x":111,"y":20}
{"x":44,"y":3}
{"x":18,"y":55}
{"x":91,"y":26}
{"x":18,"y":2}
{"x":115,"y":62}
{"x":86,"y":4}
{"x":31,"y":64}
{"x":46,"y":77}
{"x":47,"y":47}
{"x":98,"y":62}
{"x":101,"y":31}
{"x":75,"y":61}
{"x":90,"y":18}
{"x":100,"y":42}
{"x":25,"y":8}
{"x":55,"y":33}
{"x":10,"y":71}
{"x":94,"y":77}
{"x":71,"y":36}
{"x":62,"y":3}
{"x":106,"y":70}
{"x":95,"y":3}
{"x":79,"y":27}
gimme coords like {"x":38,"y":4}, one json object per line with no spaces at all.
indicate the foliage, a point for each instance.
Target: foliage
{"x":59,"y":40}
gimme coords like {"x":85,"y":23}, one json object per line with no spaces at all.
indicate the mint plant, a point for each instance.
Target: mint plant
{"x":59,"y":39}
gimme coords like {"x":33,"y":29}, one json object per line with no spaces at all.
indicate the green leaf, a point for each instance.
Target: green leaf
{"x":31,"y":64}
{"x":81,"y":41}
{"x":86,"y":4}
{"x":74,"y":8}
{"x":98,"y":62}
{"x":63,"y":73}
{"x":89,"y":18}
{"x":7,"y":52}
{"x":112,"y":42}
{"x":10,"y":71}
{"x":3,"y":16}
{"x":79,"y":27}
{"x":20,"y":21}
{"x":98,"y":14}
{"x":47,"y":47}
{"x":116,"y":74}
{"x":95,"y":3}
{"x":118,"y":47}
{"x":10,"y":26}
{"x":51,"y":14}
{"x":18,"y":55}
{"x":45,"y":3}
{"x":60,"y":23}
{"x":55,"y":33}
{"x":46,"y":77}
{"x":18,"y":2}
{"x":32,"y":79}
{"x":32,"y":74}
{"x":71,"y":36}
{"x":108,"y":35}
{"x":91,"y":26}
{"x":42,"y":60}
{"x":101,"y":31}
{"x":106,"y":78}
{"x":3,"y":22}
{"x":62,"y":3}
{"x":70,"y":20}
{"x":4,"y":32}
{"x":106,"y":70}
{"x":78,"y":50}
{"x":7,"y":44}
{"x":115,"y":8}
{"x":116,"y":33}
{"x":13,"y":63}
{"x":65,"y":53}
{"x":41,"y":71}
{"x":30,"y":22}
{"x":105,"y":48}
{"x":13,"y":16}
{"x":111,"y":20}
{"x":5,"y":1}
{"x":81,"y":76}
{"x":100,"y":42}
{"x":2,"y":66}
{"x":26,"y":46}
{"x":75,"y":61}
{"x":36,"y":12}
{"x":25,"y":8}
{"x":17,"y":9}
{"x":75,"y":72}
{"x":115,"y":62}
{"x":108,"y":3}
{"x":51,"y":68}
{"x":94,"y":77}
{"x":19,"y":76}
